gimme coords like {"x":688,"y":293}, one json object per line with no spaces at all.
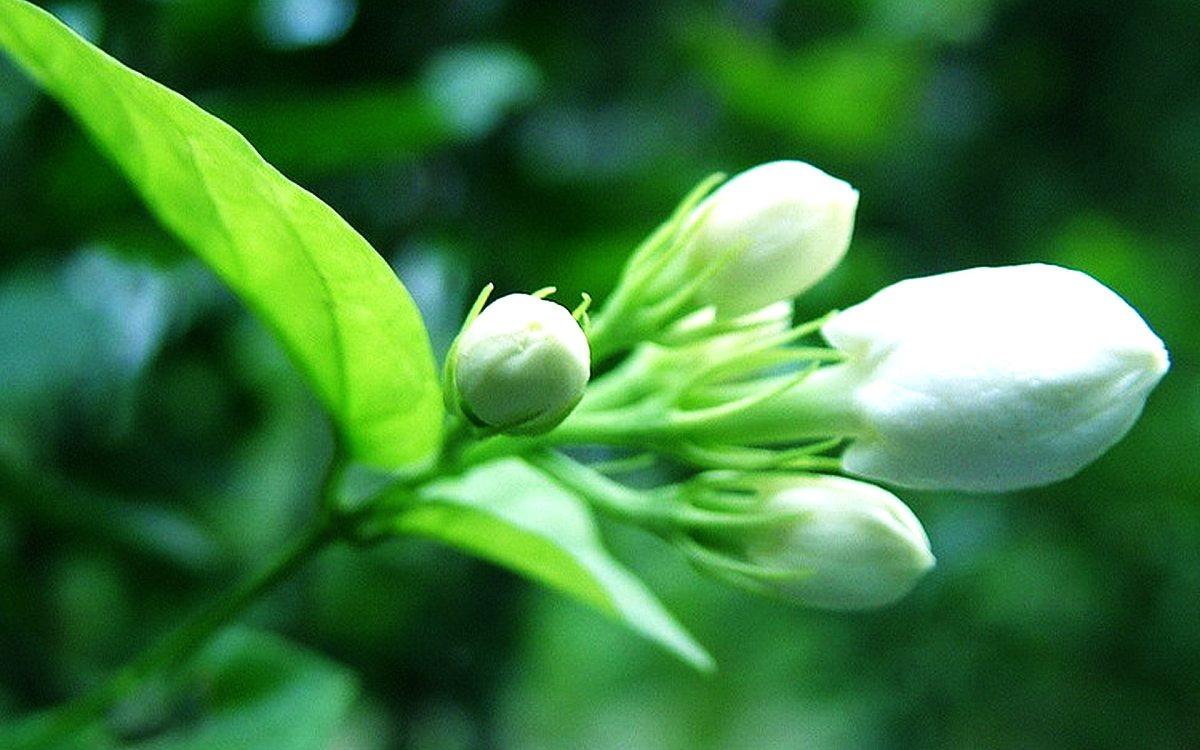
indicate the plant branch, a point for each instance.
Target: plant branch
{"x":612,"y":498}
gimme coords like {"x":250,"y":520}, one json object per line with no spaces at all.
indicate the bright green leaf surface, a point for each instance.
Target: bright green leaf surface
{"x":333,"y":302}
{"x":512,"y":515}
{"x":261,"y":692}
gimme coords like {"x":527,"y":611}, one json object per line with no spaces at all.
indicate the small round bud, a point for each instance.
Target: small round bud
{"x":774,"y":230}
{"x":852,"y":545}
{"x":522,"y":365}
{"x":992,"y":379}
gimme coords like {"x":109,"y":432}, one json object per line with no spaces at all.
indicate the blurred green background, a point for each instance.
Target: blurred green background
{"x":154,"y":442}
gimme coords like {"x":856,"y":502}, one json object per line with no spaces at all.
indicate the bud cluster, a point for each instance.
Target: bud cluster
{"x":989,"y":379}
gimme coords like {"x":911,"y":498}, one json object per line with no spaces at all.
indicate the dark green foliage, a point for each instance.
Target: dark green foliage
{"x":154,"y":439}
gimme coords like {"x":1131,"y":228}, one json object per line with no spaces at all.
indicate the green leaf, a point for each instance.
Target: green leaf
{"x":510,"y":514}
{"x":260,"y":691}
{"x":336,"y":306}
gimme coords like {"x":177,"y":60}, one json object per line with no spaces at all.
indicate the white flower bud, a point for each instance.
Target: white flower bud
{"x":522,"y":365}
{"x":852,"y":544}
{"x":992,"y":379}
{"x":775,"y":230}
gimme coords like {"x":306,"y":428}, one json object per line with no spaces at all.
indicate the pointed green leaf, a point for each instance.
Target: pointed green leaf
{"x":335,"y":305}
{"x":510,"y":514}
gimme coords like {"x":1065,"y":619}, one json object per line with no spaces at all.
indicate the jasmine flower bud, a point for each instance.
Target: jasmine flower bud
{"x":773,"y":231}
{"x":522,"y":365}
{"x":851,"y":545}
{"x":991,"y":379}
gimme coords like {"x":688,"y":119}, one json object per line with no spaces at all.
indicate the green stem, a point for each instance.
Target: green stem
{"x":820,"y":406}
{"x":645,"y":509}
{"x":601,"y":341}
{"x":664,"y":512}
{"x":618,"y":328}
{"x":622,"y":322}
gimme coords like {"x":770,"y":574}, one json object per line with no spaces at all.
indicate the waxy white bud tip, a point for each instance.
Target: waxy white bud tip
{"x":992,"y":379}
{"x":774,"y":231}
{"x":853,"y":545}
{"x":522,"y":365}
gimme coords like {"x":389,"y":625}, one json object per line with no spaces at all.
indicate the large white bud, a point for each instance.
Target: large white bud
{"x":852,"y":545}
{"x":991,"y":379}
{"x":775,"y":230}
{"x":522,"y":365}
